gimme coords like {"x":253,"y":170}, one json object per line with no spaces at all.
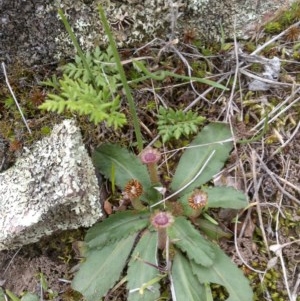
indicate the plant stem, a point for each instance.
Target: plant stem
{"x":77,"y":46}
{"x":161,"y":75}
{"x":162,"y":238}
{"x":136,"y":204}
{"x":129,"y":97}
{"x":152,"y":169}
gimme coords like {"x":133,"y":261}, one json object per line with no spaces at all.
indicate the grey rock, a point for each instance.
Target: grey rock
{"x":30,"y":31}
{"x":3,"y":153}
{"x":53,"y":186}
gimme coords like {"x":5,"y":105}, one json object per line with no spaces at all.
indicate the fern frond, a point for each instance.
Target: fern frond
{"x":53,"y":82}
{"x":92,"y":92}
{"x":174,"y":124}
{"x":79,"y":96}
{"x":100,"y":63}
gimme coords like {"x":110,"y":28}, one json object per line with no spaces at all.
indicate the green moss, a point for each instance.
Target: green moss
{"x":198,"y":44}
{"x":273,"y":28}
{"x":296,"y":55}
{"x":284,"y":19}
{"x":150,"y":105}
{"x":255,"y":67}
{"x":45,"y":130}
{"x":6,"y":129}
{"x":9,"y":103}
{"x":250,"y":46}
{"x":269,"y":283}
{"x":219,"y":292}
{"x":199,"y":68}
{"x":287,"y":18}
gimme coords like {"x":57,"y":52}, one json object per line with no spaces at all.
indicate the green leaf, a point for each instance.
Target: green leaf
{"x":225,"y":197}
{"x":161,"y":75}
{"x":2,"y":295}
{"x":140,"y":272}
{"x":225,"y":272}
{"x":189,"y":240}
{"x":208,"y":292}
{"x":127,"y":167}
{"x":43,"y":281}
{"x":116,"y":226}
{"x":185,"y":285}
{"x":12,"y":296}
{"x":102,"y":269}
{"x":211,"y":139}
{"x":173,"y":124}
{"x":88,"y":89}
{"x":30,"y":297}
{"x":211,"y":230}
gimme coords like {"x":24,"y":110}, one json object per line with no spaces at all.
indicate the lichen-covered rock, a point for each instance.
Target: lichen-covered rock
{"x":30,"y":30}
{"x":52,"y":187}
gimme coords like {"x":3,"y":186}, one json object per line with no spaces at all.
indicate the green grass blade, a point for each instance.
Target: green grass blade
{"x":120,"y":68}
{"x":77,"y":46}
{"x":12,"y":296}
{"x":161,"y":75}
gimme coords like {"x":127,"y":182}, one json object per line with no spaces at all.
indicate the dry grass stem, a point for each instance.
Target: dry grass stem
{"x":238,"y":250}
{"x":14,"y":97}
{"x":256,"y":184}
{"x":277,"y":108}
{"x":288,"y":141}
{"x":272,"y":176}
{"x":262,"y":79}
{"x":279,"y":254}
{"x":269,"y":42}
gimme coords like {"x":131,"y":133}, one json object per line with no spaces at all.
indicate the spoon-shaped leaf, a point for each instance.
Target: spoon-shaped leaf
{"x":117,"y":226}
{"x":225,"y":272}
{"x":140,"y":272}
{"x":102,"y":269}
{"x":126,"y":166}
{"x":214,"y":140}
{"x":225,"y":197}
{"x":184,"y":284}
{"x":189,"y":240}
{"x":218,"y":197}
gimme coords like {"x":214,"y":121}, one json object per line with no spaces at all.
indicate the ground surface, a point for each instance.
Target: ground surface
{"x":266,"y":168}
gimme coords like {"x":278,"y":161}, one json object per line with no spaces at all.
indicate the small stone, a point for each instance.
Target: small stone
{"x":53,"y":186}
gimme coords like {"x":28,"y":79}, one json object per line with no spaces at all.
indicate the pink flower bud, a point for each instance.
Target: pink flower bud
{"x":162,"y":219}
{"x":150,"y":155}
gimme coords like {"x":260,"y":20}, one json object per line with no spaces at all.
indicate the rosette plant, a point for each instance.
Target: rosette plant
{"x":154,"y":245}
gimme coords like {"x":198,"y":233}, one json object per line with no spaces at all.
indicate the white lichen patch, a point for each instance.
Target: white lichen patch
{"x":37,"y":36}
{"x":52,"y":187}
{"x":134,"y":23}
{"x":197,"y":4}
